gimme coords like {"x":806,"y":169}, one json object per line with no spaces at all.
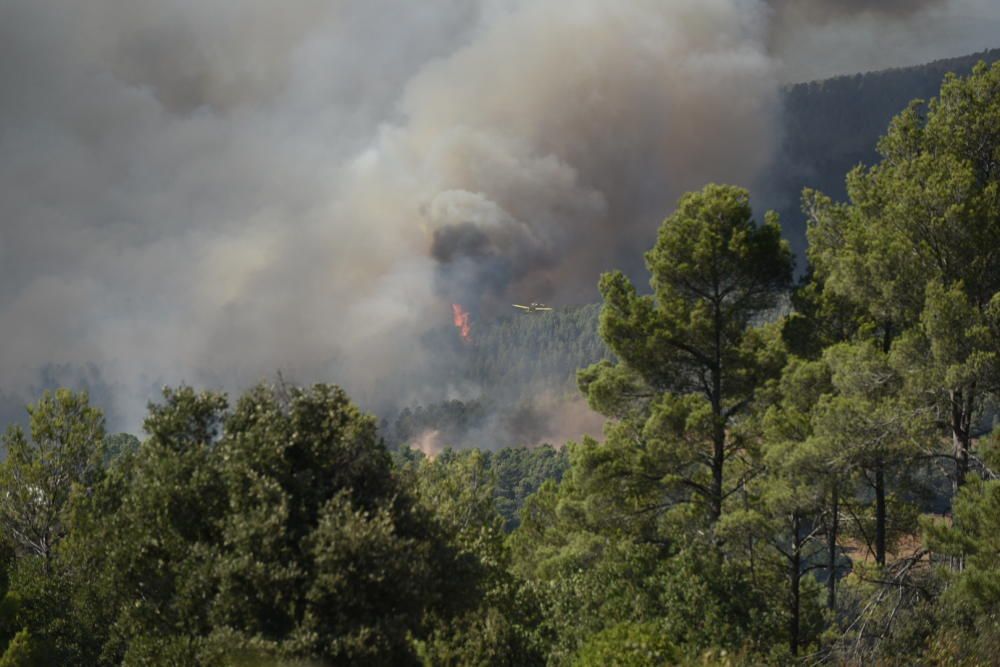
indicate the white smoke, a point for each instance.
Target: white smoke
{"x":212,"y":191}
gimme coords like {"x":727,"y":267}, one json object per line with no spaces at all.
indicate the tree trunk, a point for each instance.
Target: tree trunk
{"x":961,"y":433}
{"x":831,"y":557}
{"x":718,"y":460}
{"x":750,"y":540}
{"x":880,"y":514}
{"x":795,"y":573}
{"x":719,"y":434}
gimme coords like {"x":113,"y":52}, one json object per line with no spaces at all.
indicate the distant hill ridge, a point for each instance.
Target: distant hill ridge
{"x":944,"y":65}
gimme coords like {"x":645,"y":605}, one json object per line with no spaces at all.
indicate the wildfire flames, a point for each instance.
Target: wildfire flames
{"x":460,"y":317}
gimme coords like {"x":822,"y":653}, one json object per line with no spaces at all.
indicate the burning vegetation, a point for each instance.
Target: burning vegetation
{"x":460,"y":317}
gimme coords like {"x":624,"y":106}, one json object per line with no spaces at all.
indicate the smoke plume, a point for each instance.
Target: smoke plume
{"x":211,"y":191}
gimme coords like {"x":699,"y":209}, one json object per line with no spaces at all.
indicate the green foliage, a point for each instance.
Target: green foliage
{"x":926,"y":212}
{"x":23,"y":651}
{"x":793,"y":512}
{"x":519,"y":472}
{"x":913,"y":251}
{"x":460,"y":488}
{"x":620,"y":540}
{"x":905,"y":276}
{"x":118,"y":446}
{"x":974,"y":537}
{"x":275,"y":527}
{"x":7,"y":602}
{"x":596,"y":567}
{"x":628,"y":645}
{"x":515,"y":473}
{"x":63,"y":454}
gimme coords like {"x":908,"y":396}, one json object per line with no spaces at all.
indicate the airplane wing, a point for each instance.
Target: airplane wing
{"x":542,"y":308}
{"x":520,"y":306}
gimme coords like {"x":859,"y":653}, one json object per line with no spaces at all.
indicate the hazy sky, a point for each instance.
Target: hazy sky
{"x":209,"y":191}
{"x":866,"y":41}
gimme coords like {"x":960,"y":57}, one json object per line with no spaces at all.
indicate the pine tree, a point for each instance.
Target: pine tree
{"x":915,"y":249}
{"x":689,"y":359}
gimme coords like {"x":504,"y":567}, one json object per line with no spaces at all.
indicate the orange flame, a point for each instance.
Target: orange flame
{"x":460,"y":317}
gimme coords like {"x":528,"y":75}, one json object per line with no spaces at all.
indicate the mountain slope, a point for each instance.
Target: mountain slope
{"x":832,"y":125}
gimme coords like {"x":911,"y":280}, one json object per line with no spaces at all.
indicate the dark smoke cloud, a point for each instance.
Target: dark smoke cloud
{"x":473,"y":267}
{"x":482,"y":256}
{"x":463,"y":240}
{"x":211,"y":190}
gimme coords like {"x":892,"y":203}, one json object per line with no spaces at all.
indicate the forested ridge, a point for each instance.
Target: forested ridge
{"x":512,"y":373}
{"x":830,"y":126}
{"x":536,"y":350}
{"x":803,"y":485}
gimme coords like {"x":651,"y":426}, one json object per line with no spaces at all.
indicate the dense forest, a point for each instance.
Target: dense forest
{"x":809,"y":488}
{"x":540,"y":351}
{"x":518,"y":371}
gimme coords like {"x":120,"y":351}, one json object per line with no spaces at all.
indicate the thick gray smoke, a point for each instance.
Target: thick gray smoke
{"x":209,"y":191}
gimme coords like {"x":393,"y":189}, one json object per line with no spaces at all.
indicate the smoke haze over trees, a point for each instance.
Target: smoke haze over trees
{"x":790,"y":475}
{"x":514,"y":384}
{"x":210,"y":192}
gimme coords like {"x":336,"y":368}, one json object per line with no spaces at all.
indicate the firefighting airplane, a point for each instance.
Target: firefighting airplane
{"x":533,"y":308}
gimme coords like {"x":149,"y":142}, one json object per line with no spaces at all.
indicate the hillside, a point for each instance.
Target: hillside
{"x":832,"y":125}
{"x":514,"y":384}
{"x":540,"y":350}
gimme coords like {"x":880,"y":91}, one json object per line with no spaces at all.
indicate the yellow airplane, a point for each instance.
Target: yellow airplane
{"x":533,"y":308}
